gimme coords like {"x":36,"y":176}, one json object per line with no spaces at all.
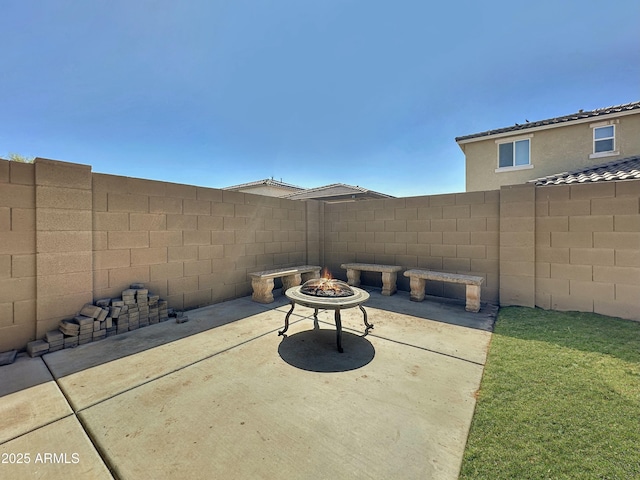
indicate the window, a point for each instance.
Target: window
{"x":514,"y":154}
{"x":604,"y":139}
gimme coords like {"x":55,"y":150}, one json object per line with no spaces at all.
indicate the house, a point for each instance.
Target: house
{"x":268,"y":187}
{"x":533,"y":150}
{"x":336,"y":192}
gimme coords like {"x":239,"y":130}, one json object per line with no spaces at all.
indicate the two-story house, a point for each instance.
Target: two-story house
{"x":528,"y":151}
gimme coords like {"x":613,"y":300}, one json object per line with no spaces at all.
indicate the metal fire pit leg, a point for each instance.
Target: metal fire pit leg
{"x":367,"y":324}
{"x":286,"y":320}
{"x":316,"y":326}
{"x":339,"y":329}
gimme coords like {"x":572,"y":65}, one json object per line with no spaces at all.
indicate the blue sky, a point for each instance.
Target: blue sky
{"x":363,"y":92}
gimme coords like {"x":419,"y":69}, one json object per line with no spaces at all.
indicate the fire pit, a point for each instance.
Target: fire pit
{"x":326,"y":287}
{"x":328,"y":294}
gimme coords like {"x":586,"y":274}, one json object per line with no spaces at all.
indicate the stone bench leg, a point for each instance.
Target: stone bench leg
{"x":291,"y":281}
{"x":262,"y":290}
{"x":389,"y":283}
{"x":417,"y":288}
{"x":473,"y":298}
{"x":353,"y":277}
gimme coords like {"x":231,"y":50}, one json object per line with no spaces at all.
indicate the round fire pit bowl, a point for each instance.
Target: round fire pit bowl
{"x":336,"y":303}
{"x":326,"y":287}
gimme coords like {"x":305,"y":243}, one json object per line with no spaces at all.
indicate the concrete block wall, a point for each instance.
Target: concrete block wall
{"x":64,"y":266}
{"x":517,"y":245}
{"x":69,"y":236}
{"x":314,"y":211}
{"x":191,"y":245}
{"x":17,"y":254}
{"x":454,"y":233}
{"x":587,"y":254}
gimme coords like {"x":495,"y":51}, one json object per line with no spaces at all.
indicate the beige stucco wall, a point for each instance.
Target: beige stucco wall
{"x":553,"y":150}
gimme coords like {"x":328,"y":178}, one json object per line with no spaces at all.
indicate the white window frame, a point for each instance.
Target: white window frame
{"x":608,"y":153}
{"x":513,"y":140}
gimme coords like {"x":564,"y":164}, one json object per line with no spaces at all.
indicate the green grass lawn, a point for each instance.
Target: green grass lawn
{"x":560,"y":398}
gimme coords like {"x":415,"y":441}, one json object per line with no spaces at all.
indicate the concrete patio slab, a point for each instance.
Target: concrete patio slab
{"x":59,"y":450}
{"x":410,"y":327}
{"x":29,"y":398}
{"x":223,"y":396}
{"x":84,"y":386}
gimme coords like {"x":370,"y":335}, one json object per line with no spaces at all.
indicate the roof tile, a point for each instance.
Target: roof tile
{"x":556,"y":120}
{"x":267,"y":181}
{"x":624,"y":169}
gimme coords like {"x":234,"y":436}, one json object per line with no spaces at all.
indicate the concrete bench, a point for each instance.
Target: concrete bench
{"x":262,"y":282}
{"x":389,"y":275}
{"x":418,"y":280}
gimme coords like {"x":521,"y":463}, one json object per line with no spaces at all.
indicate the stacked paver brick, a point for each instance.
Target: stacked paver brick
{"x":107,"y":317}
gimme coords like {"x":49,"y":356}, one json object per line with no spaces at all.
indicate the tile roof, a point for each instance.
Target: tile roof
{"x":335,"y":190}
{"x":267,"y":181}
{"x":557,"y":120}
{"x":624,"y":169}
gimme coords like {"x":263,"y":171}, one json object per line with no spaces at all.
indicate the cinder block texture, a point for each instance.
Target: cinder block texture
{"x":64,"y":225}
{"x":69,"y":236}
{"x":594,"y":244}
{"x":517,"y":245}
{"x":127,"y":202}
{"x":17,"y":196}
{"x":63,"y":198}
{"x":5,"y":166}
{"x":54,"y":173}
{"x":433,"y":231}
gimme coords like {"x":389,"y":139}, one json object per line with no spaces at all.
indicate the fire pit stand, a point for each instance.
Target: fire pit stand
{"x":329,"y":303}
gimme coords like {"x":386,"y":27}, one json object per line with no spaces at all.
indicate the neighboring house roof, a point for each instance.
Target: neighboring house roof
{"x":556,"y":121}
{"x":270,"y":182}
{"x":337,"y":191}
{"x":624,"y":169}
{"x":331,"y":193}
